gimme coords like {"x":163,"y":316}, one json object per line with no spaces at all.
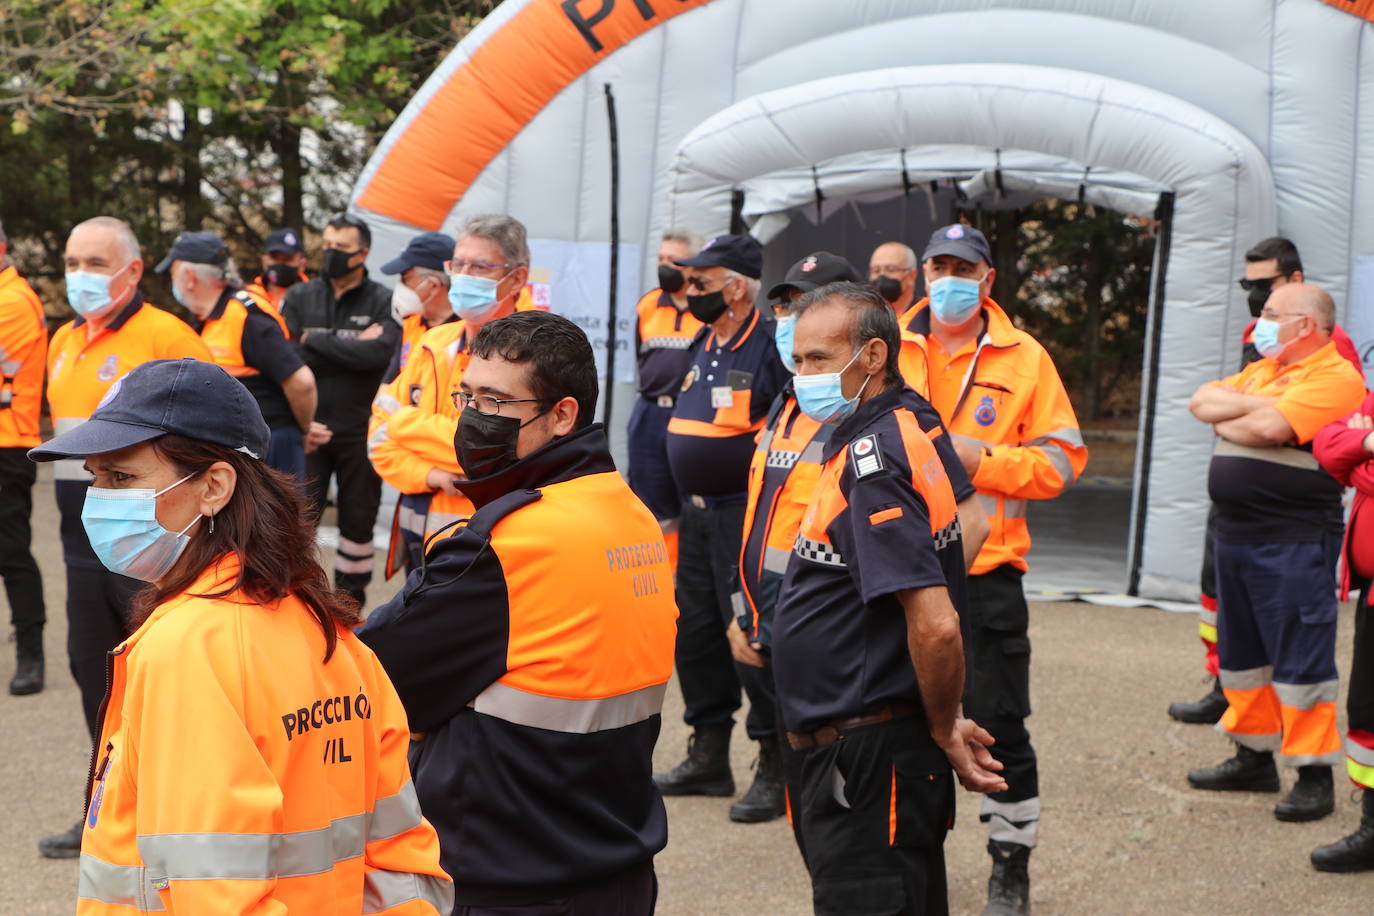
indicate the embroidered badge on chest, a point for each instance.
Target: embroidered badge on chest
{"x":109,"y":370}
{"x":986,"y":414}
{"x":865,"y":455}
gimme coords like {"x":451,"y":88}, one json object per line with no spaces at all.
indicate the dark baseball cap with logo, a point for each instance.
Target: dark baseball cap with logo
{"x":284,"y":241}
{"x":740,"y":253}
{"x":960,"y":241}
{"x":185,"y":397}
{"x":813,"y":272}
{"x":195,"y":248}
{"x":428,"y":249}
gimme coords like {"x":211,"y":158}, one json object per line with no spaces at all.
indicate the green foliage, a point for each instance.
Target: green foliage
{"x":239,"y":114}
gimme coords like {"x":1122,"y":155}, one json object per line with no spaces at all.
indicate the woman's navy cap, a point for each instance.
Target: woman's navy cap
{"x":185,"y":397}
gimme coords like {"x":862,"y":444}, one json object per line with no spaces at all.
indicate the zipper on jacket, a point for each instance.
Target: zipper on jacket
{"x":99,"y":730}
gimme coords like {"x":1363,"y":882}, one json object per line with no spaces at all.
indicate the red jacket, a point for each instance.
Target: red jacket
{"x":1341,"y":452}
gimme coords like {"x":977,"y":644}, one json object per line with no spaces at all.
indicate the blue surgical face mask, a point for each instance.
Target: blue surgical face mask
{"x":89,"y":293}
{"x":1266,"y":338}
{"x":783,"y":333}
{"x":472,"y":298}
{"x":821,"y":397}
{"x":178,"y":295}
{"x":125,"y":534}
{"x":954,"y":299}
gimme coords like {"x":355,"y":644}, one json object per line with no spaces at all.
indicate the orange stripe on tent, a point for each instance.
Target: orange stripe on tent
{"x":1362,"y":8}
{"x":508,"y":80}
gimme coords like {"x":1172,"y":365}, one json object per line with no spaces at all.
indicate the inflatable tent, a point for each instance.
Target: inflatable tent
{"x":1227,"y":121}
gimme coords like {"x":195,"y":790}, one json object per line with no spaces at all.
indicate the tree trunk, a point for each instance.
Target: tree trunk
{"x":193,"y":206}
{"x":1006,"y":252}
{"x":1092,"y":324}
{"x":286,"y":143}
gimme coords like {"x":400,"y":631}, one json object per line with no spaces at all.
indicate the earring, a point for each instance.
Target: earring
{"x":212,"y":524}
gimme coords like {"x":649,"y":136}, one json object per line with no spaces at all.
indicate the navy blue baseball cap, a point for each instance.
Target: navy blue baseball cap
{"x":284,"y":241}
{"x":961,"y":241}
{"x":197,"y":248}
{"x":185,"y":397}
{"x":814,"y":271}
{"x":428,"y":249}
{"x":740,"y":253}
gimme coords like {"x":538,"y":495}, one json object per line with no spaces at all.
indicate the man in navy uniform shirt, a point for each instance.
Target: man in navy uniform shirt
{"x":869,"y":633}
{"x":735,"y":372}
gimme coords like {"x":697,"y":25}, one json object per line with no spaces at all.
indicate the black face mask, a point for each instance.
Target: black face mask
{"x":707,"y":307}
{"x":670,"y":279}
{"x":888,"y":288}
{"x":281,"y":275}
{"x":485,"y":443}
{"x":1256,"y":298}
{"x":336,"y":263}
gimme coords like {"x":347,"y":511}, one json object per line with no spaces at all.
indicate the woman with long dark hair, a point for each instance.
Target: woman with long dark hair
{"x":251,"y":756}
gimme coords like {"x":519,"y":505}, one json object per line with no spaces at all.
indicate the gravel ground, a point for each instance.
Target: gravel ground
{"x":1122,"y":833}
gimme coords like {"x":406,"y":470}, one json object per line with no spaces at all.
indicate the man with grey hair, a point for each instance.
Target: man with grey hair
{"x":247,"y":337}
{"x":664,"y":331}
{"x":23,"y":345}
{"x":342,"y":322}
{"x":892,"y":272}
{"x":114,"y":331}
{"x":735,"y":373}
{"x":414,"y":419}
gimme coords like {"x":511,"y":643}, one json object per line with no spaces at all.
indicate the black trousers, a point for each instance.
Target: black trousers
{"x":23,"y":582}
{"x":707,"y":575}
{"x":631,"y":893}
{"x":359,"y":494}
{"x":1000,"y":701}
{"x":870,"y":813}
{"x":97,"y":621}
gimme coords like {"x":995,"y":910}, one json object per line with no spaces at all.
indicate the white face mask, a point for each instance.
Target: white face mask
{"x":405,"y":302}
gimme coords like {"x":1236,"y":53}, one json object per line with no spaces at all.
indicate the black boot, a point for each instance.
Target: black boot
{"x":1248,"y":771}
{"x":1352,"y":853}
{"x":1206,"y":711}
{"x":64,"y":845}
{"x":706,"y":771}
{"x":1313,"y":796}
{"x":28,"y":667}
{"x":765,"y":799}
{"x":1009,"y":886}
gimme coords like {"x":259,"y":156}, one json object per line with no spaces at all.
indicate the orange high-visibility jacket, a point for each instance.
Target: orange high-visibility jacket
{"x":223,"y":333}
{"x":23,"y":348}
{"x":237,"y":772}
{"x":1011,"y":402}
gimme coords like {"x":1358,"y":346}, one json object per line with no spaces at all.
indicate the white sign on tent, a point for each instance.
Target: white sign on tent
{"x":576,"y":277}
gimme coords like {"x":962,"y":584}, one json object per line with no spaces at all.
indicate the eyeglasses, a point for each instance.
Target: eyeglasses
{"x":699,"y":284}
{"x":486,"y":404}
{"x":1261,"y":283}
{"x":454,"y":268}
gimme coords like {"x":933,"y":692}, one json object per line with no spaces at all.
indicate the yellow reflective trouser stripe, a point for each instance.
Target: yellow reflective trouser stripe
{"x":560,"y":714}
{"x":244,"y":856}
{"x":1358,"y":772}
{"x":1207,"y":631}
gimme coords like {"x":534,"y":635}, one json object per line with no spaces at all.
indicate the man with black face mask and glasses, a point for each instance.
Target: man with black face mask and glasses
{"x":892,"y":272}
{"x":664,"y":331}
{"x":534,"y":646}
{"x":735,"y":373}
{"x":342,"y":321}
{"x":1270,"y":265}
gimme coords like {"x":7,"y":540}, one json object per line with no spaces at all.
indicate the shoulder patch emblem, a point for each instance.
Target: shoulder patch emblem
{"x":986,"y":414}
{"x":866,"y":456}
{"x":691,"y":378}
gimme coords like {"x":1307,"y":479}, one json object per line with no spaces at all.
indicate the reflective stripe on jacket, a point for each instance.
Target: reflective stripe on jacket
{"x":237,"y":773}
{"x":23,"y":346}
{"x":1013,"y":405}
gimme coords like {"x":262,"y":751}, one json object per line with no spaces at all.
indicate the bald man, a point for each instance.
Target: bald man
{"x":1276,"y":539}
{"x":892,"y":272}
